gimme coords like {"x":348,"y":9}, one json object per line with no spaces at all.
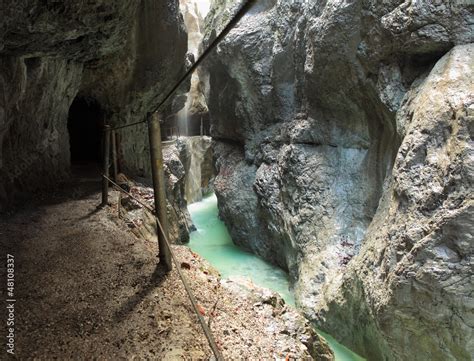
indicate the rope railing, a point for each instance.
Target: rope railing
{"x":192,"y":298}
{"x":158,"y":174}
{"x":240,"y":13}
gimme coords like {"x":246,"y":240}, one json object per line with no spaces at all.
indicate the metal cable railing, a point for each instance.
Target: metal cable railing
{"x":192,"y":298}
{"x":240,"y":13}
{"x":166,"y":252}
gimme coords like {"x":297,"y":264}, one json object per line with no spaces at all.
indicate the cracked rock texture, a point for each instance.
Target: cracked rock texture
{"x":122,"y":54}
{"x":414,"y":276}
{"x":312,"y":107}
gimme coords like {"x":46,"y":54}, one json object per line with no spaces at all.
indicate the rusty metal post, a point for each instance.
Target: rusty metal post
{"x":106,"y":165}
{"x":158,"y":174}
{"x":114,"y":155}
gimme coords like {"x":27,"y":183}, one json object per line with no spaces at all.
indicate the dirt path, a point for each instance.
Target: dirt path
{"x":86,"y":288}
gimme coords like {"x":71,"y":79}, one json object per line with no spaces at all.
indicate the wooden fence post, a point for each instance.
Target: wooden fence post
{"x":158,"y":174}
{"x":114,"y":155}
{"x":106,"y":165}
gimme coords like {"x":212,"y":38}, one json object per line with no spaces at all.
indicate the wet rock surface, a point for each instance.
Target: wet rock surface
{"x":309,"y":109}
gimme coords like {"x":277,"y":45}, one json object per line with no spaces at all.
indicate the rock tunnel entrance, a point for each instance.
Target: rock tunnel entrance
{"x":85,"y":122}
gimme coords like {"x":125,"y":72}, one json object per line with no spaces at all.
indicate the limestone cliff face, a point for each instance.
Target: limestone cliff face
{"x":123,"y":54}
{"x":308,"y":103}
{"x":195,"y":114}
{"x":414,"y":275}
{"x":178,"y":216}
{"x":197,"y":158}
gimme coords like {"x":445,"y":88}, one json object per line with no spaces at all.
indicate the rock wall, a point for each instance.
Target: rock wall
{"x":35,"y":95}
{"x":414,"y":275}
{"x":306,"y":109}
{"x":142,"y":223}
{"x":193,"y":119}
{"x":189,"y":173}
{"x":129,"y":84}
{"x":197,"y":158}
{"x":178,"y":216}
{"x":123,"y":54}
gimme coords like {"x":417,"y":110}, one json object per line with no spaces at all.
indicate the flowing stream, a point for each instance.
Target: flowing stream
{"x":212,"y":241}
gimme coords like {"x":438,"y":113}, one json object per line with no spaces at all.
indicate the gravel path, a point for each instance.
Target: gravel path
{"x":87,"y":288}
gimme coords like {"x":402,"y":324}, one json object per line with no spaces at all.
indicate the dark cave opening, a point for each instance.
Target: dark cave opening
{"x":85,"y":123}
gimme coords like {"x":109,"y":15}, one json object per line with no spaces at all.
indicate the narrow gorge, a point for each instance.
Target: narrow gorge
{"x":323,"y":150}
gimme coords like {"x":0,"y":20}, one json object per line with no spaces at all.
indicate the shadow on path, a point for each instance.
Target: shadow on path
{"x":156,"y":279}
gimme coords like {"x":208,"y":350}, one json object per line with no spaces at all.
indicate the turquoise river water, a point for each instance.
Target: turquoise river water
{"x":212,"y":241}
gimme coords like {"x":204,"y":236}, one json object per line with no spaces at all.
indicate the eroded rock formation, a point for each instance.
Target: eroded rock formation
{"x":122,"y":54}
{"x":310,"y":103}
{"x":343,"y":146}
{"x":196,"y":155}
{"x":193,"y":119}
{"x":189,"y":174}
{"x":413,"y":279}
{"x":142,"y":223}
